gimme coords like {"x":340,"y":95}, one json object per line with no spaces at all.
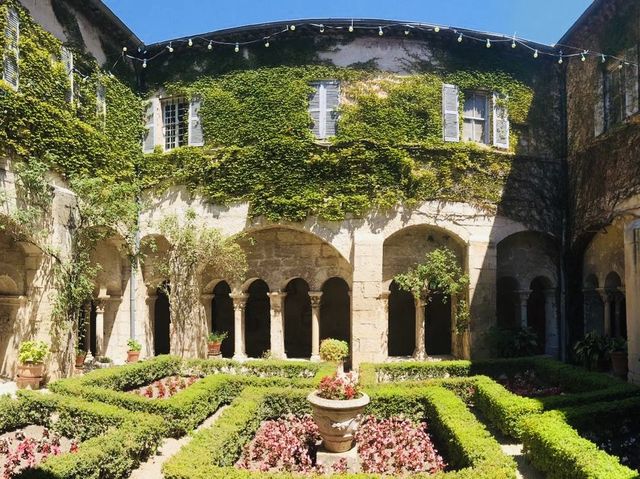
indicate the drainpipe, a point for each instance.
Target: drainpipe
{"x":134,"y":277}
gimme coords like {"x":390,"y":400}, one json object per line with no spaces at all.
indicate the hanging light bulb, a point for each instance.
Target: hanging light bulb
{"x":190,"y":42}
{"x":488,"y":43}
{"x":406,"y":31}
{"x":460,"y":38}
{"x":124,"y":49}
{"x":561,"y":59}
{"x":292,"y":28}
{"x":582,"y":57}
{"x":321,"y":28}
{"x":380,"y":32}
{"x":351,"y":26}
{"x":604,"y":59}
{"x":170,"y":47}
{"x":237,"y":47}
{"x":620,"y":66}
{"x":436,"y":29}
{"x":536,"y":54}
{"x":210,"y":46}
{"x":513,"y":42}
{"x":144,"y":63}
{"x":267,"y":44}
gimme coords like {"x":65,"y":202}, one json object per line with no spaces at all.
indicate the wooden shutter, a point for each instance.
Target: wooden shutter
{"x":11,"y":69}
{"x":148,"y":142}
{"x":631,"y":82}
{"x":196,"y":137}
{"x":66,"y":56}
{"x":101,"y":102}
{"x":332,"y":92}
{"x":598,"y":104}
{"x":450,"y":113}
{"x":500,"y":121}
{"x":314,"y":108}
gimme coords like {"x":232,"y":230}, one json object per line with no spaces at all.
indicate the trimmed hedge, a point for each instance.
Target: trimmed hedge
{"x":114,"y":440}
{"x":557,"y":449}
{"x":213,"y":451}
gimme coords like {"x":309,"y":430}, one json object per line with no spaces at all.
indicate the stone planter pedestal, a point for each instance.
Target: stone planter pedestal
{"x":337,"y":420}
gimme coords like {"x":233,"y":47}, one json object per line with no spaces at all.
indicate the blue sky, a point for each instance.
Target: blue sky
{"x":540,"y":20}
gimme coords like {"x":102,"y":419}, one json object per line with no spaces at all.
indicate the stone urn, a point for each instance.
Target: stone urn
{"x":337,"y":420}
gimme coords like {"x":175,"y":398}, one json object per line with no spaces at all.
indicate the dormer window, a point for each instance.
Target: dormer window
{"x":323,"y":105}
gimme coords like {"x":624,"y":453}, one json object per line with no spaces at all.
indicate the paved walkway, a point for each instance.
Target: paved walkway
{"x":168,"y":448}
{"x":8,"y":387}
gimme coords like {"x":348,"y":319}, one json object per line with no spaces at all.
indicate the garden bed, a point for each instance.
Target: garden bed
{"x":166,"y":387}
{"x":529,"y":384}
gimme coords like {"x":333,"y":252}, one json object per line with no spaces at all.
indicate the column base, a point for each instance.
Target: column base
{"x":239,"y":357}
{"x":314,"y":359}
{"x":420,"y":356}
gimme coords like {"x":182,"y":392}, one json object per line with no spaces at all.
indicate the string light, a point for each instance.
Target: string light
{"x":351,"y":26}
{"x":267,"y":44}
{"x":582,"y":57}
{"x":210,"y":46}
{"x":488,"y":43}
{"x":170,"y":47}
{"x":436,"y":29}
{"x":536,"y":54}
{"x":513,"y":41}
{"x":604,"y":59}
{"x":292,"y":28}
{"x":561,"y":60}
{"x":460,"y":38}
{"x":321,"y":28}
{"x":190,"y":42}
{"x":144,"y":63}
{"x":620,"y":66}
{"x":406,"y":31}
{"x":237,"y":48}
{"x":124,"y":49}
{"x":380,"y":32}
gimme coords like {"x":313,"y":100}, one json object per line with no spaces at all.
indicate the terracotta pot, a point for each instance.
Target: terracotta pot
{"x":30,"y":370}
{"x":80,"y":357}
{"x":337,"y":420}
{"x":620,"y":363}
{"x":133,"y":356}
{"x":28,"y":383}
{"x":213,"y":348}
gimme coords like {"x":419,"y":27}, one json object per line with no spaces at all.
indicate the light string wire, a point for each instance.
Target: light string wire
{"x":489,"y":39}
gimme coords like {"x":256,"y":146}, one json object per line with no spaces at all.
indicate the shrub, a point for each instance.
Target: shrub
{"x":134,"y":345}
{"x":513,"y":343}
{"x":334,"y":350}
{"x":33,"y":352}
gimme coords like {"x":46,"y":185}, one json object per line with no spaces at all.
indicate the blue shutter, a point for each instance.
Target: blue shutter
{"x":11,"y":69}
{"x":500,"y":121}
{"x":196,"y":137}
{"x":450,"y":113}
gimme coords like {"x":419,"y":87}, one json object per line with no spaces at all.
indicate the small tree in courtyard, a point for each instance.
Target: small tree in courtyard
{"x":193,"y":250}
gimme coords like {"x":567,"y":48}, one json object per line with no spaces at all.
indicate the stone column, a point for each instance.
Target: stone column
{"x":315,"y":297}
{"x":606,"y":301}
{"x":101,"y":304}
{"x":523,"y":301}
{"x":420,"y":351}
{"x":384,"y":325}
{"x":277,"y":324}
{"x":239,"y":303}
{"x":206,"y":300}
{"x":481,"y":266}
{"x":632,"y":288}
{"x":618,"y":298}
{"x":552,"y":340}
{"x":586,"y":309}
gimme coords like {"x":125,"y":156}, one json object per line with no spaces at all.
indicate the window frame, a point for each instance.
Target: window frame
{"x":324,"y":113}
{"x":608,"y":74}
{"x":467,"y":95}
{"x":179,"y":120}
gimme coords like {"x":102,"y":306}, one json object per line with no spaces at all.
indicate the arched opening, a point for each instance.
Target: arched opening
{"x":507,"y":303}
{"x":335,"y":311}
{"x":258,"y":320}
{"x":593,"y":306}
{"x":222,"y":316}
{"x":537,"y":310}
{"x":438,"y":325}
{"x":402,"y":322}
{"x":617,"y":305}
{"x":297,"y":319}
{"x":162,"y":323}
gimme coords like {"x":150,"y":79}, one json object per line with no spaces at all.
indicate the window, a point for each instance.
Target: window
{"x":614,"y":96}
{"x":175,"y":114}
{"x":10,"y":71}
{"x":476,"y":118}
{"x":323,"y":105}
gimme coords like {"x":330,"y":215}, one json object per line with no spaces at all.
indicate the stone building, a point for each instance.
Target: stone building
{"x":343,"y":152}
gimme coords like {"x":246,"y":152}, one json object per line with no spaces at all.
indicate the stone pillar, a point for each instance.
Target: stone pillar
{"x":586,"y":309}
{"x":481,"y":267}
{"x":277,"y":324}
{"x":552,"y":340}
{"x":606,"y":301}
{"x":239,"y":303}
{"x":420,"y":351}
{"x":523,"y":302}
{"x":206,"y":300}
{"x":101,"y":304}
{"x":315,"y":297}
{"x":617,"y":300}
{"x":384,"y":300}
{"x":632,"y":288}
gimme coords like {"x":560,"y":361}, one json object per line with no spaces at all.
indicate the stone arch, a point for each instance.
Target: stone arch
{"x":507,"y":311}
{"x":605,"y":253}
{"x":593,"y":306}
{"x":162,"y":321}
{"x":278,"y":254}
{"x":527,"y":255}
{"x":403,"y":250}
{"x":297,"y":319}
{"x":222,"y":316}
{"x":615,"y":306}
{"x":258,"y":319}
{"x":335,"y":310}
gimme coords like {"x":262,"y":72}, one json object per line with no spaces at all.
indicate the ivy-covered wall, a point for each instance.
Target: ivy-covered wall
{"x":389,"y":147}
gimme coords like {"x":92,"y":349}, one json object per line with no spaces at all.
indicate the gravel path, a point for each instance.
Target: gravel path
{"x":169,"y":447}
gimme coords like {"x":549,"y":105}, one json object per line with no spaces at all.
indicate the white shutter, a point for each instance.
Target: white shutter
{"x":631,"y":81}
{"x":101,"y":102}
{"x":316,"y":102}
{"x":332,"y":92}
{"x":148,"y":142}
{"x":450,"y":113}
{"x":196,"y":137}
{"x":598,"y":105}
{"x":66,"y":56}
{"x":11,"y":69}
{"x":500,"y":121}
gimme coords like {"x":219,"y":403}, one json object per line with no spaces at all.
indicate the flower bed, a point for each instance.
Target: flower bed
{"x":621,"y":440}
{"x":166,"y":387}
{"x":385,"y":446}
{"x":28,"y":447}
{"x":528,"y":384}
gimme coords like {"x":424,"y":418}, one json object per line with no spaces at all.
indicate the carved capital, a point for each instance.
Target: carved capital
{"x":277,"y":301}
{"x":315,"y":297}
{"x":239,"y":300}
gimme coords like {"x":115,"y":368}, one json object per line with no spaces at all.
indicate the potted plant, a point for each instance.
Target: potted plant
{"x":593,"y":351}
{"x":103,"y":362}
{"x":81,"y":355}
{"x":133,"y":353}
{"x":215,"y":341}
{"x":31,"y":356}
{"x":619,"y":357}
{"x":338,"y":403}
